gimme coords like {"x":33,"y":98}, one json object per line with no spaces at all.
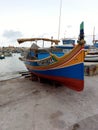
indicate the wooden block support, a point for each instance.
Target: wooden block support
{"x":90,"y":70}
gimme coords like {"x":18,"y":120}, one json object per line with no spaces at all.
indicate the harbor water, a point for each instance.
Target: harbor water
{"x":11,"y":66}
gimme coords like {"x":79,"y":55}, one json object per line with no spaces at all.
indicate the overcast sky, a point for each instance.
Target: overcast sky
{"x":40,"y":18}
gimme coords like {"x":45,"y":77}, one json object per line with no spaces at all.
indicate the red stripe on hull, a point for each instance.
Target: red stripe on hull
{"x":74,"y":84}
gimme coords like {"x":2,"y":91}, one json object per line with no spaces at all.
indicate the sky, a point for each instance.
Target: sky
{"x":40,"y":18}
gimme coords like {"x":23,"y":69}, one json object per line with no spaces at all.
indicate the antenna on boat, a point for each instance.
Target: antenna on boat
{"x":59,"y":19}
{"x":94,"y":35}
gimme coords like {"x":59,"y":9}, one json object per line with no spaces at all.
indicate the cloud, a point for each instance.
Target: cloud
{"x":12,"y":35}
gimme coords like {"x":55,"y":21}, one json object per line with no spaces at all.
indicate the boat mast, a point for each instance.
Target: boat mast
{"x":93,"y":35}
{"x":59,"y":19}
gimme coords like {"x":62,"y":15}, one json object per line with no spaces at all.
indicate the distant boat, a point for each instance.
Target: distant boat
{"x":91,"y":55}
{"x":2,"y":56}
{"x":7,"y":54}
{"x":67,"y":69}
{"x":96,"y":43}
{"x":91,"y":58}
{"x":67,"y":45}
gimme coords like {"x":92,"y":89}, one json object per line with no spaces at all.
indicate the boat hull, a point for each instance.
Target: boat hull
{"x":70,"y":76}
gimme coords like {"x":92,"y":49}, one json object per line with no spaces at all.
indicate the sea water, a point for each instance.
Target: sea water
{"x":11,"y":66}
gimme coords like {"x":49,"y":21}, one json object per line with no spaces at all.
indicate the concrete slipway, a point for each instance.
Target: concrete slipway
{"x":27,"y":105}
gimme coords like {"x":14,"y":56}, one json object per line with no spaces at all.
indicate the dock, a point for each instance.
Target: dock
{"x":27,"y":105}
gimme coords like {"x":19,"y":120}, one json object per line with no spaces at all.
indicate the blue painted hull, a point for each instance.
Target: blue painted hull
{"x":69,"y":76}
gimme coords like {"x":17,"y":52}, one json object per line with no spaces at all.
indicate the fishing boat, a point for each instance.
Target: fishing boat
{"x":67,"y":69}
{"x":91,"y":58}
{"x":67,"y":44}
{"x":91,"y":53}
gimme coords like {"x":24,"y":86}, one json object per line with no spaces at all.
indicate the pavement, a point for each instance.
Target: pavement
{"x":29,"y":105}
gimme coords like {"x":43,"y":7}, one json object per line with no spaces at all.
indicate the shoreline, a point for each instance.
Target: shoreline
{"x":26,"y":105}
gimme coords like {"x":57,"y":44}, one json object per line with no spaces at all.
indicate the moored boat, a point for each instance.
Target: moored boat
{"x":91,"y":55}
{"x":67,"y":69}
{"x":91,"y":58}
{"x":7,"y":54}
{"x":2,"y":56}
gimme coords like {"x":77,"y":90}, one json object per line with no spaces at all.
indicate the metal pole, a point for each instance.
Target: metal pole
{"x":94,"y":35}
{"x":59,"y":19}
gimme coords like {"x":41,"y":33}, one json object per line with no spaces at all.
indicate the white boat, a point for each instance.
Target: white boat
{"x":91,"y":58}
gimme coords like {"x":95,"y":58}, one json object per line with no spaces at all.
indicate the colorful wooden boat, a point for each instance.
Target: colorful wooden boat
{"x":67,"y":69}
